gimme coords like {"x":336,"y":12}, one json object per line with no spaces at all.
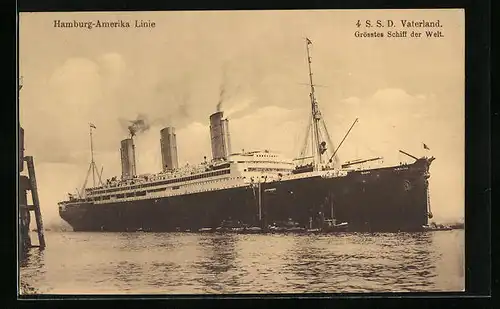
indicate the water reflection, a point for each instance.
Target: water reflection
{"x":217,"y":267}
{"x":130,"y":241}
{"x":34,"y":258}
{"x":416,"y":268}
{"x":390,"y":262}
{"x":310,"y":262}
{"x":126,"y":273}
{"x":262,"y":264}
{"x":34,"y":265}
{"x":227,"y":263}
{"x":156,"y":262}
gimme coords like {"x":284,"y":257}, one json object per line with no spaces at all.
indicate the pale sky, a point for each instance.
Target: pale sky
{"x":404,"y":91}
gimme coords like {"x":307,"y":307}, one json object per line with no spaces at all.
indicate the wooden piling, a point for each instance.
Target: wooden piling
{"x":36,"y":201}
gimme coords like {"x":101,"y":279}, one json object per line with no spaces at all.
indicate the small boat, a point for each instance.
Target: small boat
{"x":252,"y":230}
{"x":286,"y":227}
{"x":341,"y":226}
{"x":295,"y":229}
{"x":205,"y":230}
{"x":332,"y":226}
{"x":235,"y":229}
{"x":274,"y":228}
{"x":228,"y":226}
{"x":313,"y":231}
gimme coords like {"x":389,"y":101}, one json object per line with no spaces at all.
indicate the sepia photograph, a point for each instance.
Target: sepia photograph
{"x":241,"y":152}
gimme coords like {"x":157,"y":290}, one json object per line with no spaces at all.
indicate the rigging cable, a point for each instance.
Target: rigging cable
{"x":329,"y":140}
{"x":306,"y":140}
{"x":86,"y":179}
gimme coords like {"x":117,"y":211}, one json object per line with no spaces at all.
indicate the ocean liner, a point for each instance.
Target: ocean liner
{"x":254,"y":190}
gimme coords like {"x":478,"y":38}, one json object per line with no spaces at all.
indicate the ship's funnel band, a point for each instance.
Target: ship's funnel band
{"x":168,"y":142}
{"x":219,"y":135}
{"x":127,"y":151}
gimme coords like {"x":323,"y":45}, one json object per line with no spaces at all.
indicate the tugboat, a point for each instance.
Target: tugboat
{"x":312,"y":229}
{"x":331,"y":226}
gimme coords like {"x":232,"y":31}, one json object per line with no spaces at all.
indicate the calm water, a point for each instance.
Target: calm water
{"x":96,"y":263}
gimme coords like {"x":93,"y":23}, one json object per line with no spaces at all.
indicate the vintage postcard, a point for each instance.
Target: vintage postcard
{"x":236,"y":152}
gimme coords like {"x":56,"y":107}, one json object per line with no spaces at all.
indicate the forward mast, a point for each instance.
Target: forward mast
{"x":318,"y":146}
{"x":315,"y":113}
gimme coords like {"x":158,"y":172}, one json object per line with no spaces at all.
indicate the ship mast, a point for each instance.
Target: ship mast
{"x":315,"y":115}
{"x":316,"y":130}
{"x":92,"y":165}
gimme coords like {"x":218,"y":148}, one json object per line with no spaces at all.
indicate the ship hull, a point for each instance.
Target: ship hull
{"x":377,"y":200}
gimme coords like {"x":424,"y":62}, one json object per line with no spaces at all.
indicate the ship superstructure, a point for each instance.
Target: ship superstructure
{"x":240,"y":170}
{"x":255,"y":188}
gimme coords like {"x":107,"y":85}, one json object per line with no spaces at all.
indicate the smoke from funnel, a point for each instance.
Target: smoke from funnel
{"x":139,"y":125}
{"x":221,"y":98}
{"x":240,"y":106}
{"x":231,"y":93}
{"x":183,"y":110}
{"x":143,"y":123}
{"x":222,"y":93}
